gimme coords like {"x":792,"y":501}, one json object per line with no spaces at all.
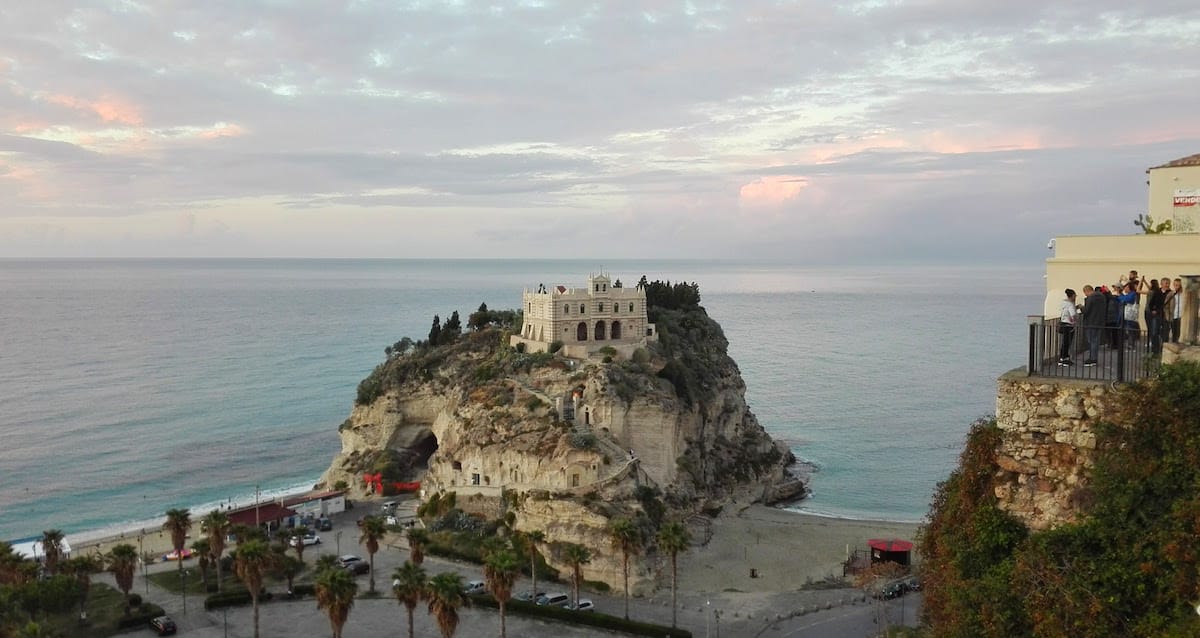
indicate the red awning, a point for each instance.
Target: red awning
{"x":890,"y":545}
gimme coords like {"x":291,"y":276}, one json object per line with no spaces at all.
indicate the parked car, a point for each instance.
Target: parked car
{"x":912,"y":583}
{"x":474,"y":587}
{"x":324,"y":524}
{"x":354,"y":564}
{"x":585,"y":604}
{"x":310,"y":538}
{"x":894,"y":589}
{"x":163,"y":625}
{"x":529,"y":596}
{"x":553,"y":600}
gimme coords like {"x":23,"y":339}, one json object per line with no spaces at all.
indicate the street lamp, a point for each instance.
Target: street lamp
{"x":337,"y":538}
{"x":707,"y":613}
{"x":183,"y":588}
{"x":142,"y":560}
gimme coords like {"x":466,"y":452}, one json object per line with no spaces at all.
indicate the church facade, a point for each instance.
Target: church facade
{"x":603,"y":313}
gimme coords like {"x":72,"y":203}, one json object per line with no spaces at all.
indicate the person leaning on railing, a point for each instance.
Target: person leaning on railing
{"x":1066,"y":328}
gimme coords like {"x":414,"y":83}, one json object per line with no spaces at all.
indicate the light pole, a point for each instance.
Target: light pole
{"x":707,"y":613}
{"x":337,"y":539}
{"x":183,"y":588}
{"x":256,"y":492}
{"x":142,"y":559}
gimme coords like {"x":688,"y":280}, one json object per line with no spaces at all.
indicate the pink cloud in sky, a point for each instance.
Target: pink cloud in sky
{"x":108,"y":109}
{"x":771,"y":190}
{"x":221,"y":129}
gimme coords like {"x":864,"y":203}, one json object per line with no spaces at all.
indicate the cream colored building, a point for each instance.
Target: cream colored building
{"x":604,"y":313}
{"x":1175,"y":194}
{"x":1103,"y":259}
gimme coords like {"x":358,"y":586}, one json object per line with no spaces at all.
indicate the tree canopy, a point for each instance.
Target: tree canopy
{"x":1127,"y":567}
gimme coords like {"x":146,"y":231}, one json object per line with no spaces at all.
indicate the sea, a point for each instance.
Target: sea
{"x":129,"y":387}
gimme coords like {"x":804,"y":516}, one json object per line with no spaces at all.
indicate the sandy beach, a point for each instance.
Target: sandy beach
{"x":785,"y":549}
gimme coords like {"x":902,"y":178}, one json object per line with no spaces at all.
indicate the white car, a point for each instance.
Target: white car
{"x":585,"y":604}
{"x":557,"y":599}
{"x":310,"y":538}
{"x":474,"y":587}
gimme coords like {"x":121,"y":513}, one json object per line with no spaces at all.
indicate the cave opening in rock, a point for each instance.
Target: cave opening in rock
{"x":423,"y":448}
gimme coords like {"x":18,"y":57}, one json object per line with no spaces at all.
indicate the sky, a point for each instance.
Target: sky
{"x":928,"y":130}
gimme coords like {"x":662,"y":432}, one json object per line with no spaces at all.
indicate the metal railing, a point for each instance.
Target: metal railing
{"x":1122,"y":355}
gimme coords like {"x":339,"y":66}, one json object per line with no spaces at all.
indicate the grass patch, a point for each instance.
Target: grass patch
{"x":191,"y":580}
{"x":105,"y":616}
{"x":588,"y":618}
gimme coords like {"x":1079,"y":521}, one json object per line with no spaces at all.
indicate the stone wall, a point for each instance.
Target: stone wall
{"x":1048,"y":444}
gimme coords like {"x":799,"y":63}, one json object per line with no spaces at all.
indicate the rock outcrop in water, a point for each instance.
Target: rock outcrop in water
{"x":567,"y":445}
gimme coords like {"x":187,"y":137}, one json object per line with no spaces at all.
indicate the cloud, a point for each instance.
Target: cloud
{"x":725,"y":126}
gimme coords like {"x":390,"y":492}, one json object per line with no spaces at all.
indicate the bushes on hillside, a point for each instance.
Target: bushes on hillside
{"x":1128,"y":567}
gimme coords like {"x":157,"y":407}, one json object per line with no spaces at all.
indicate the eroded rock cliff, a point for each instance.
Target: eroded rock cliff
{"x":568,"y":445}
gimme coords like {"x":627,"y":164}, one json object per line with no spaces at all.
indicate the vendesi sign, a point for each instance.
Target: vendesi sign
{"x":1187,"y":197}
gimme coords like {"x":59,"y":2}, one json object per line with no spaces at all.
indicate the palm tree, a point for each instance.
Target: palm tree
{"x":82,"y":568}
{"x":445,"y":596}
{"x":12,"y":565}
{"x":529,"y":541}
{"x":324,"y":562}
{"x":501,"y":570}
{"x":408,"y":584}
{"x":296,"y":537}
{"x":576,"y":556}
{"x":252,"y":559}
{"x":672,"y":539}
{"x":288,"y":567}
{"x":216,"y":525}
{"x":373,"y":529}
{"x":122,"y":562}
{"x":179,"y":521}
{"x":626,"y":537}
{"x":418,"y":539}
{"x":203,"y":551}
{"x":335,"y":594}
{"x":52,"y":549}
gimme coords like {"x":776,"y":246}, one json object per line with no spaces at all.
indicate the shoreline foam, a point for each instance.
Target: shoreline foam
{"x":151,"y":528}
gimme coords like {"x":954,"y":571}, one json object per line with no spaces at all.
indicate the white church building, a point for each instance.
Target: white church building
{"x":603,"y":313}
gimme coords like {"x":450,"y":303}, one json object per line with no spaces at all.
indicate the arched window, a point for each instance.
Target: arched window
{"x":567,"y":309}
{"x":582,"y":309}
{"x":600,"y":308}
{"x":581,"y":332}
{"x":616,"y":330}
{"x":631,"y":306}
{"x":600,"y":331}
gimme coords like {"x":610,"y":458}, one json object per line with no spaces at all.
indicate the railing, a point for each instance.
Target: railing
{"x":1122,"y":354}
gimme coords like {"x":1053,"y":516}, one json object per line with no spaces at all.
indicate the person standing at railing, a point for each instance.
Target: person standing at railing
{"x":1175,"y":309}
{"x":1129,"y":313}
{"x":1095,"y":307}
{"x":1154,"y":317}
{"x":1066,"y":328}
{"x":1112,"y":317}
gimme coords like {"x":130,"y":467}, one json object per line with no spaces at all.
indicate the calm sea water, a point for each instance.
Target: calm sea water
{"x":130,"y":387}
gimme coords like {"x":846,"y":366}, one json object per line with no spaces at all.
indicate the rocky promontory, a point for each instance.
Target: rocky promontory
{"x":564,"y":445}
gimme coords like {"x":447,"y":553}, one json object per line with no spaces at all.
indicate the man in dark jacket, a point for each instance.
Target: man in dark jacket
{"x":1155,"y":300}
{"x":1095,"y":311}
{"x":1112,"y":318}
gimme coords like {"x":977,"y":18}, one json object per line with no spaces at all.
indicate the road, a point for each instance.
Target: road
{"x":843,"y":612}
